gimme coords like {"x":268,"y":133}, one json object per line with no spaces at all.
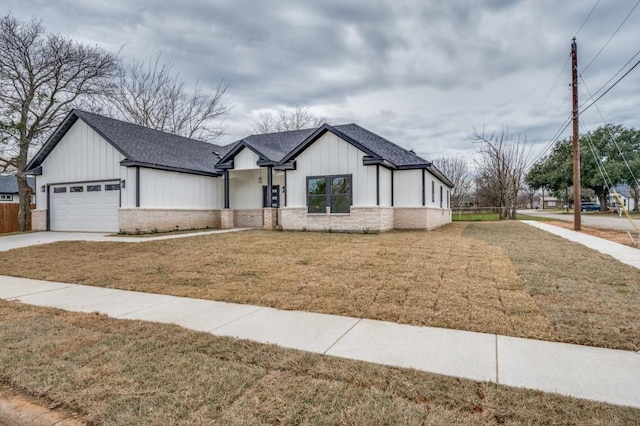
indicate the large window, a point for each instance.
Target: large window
{"x":329,"y":191}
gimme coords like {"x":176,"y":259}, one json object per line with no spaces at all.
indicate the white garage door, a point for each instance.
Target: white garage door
{"x":91,"y":206}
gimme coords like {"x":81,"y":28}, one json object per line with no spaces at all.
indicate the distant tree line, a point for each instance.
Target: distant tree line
{"x":609,"y":156}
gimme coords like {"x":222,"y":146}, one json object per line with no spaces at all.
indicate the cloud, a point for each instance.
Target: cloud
{"x":421,"y":74}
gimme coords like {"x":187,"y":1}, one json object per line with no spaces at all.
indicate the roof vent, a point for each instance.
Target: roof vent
{"x":412,"y":151}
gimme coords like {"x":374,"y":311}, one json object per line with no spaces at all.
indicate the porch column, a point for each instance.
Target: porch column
{"x":227,"y":216}
{"x":226,"y":189}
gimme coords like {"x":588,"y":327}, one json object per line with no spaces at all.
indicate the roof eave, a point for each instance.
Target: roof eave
{"x":130,"y":163}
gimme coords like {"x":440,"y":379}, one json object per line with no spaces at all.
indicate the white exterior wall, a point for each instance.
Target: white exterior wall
{"x":245,"y":160}
{"x":331,"y":155}
{"x":385,"y":186}
{"x":245,"y":190}
{"x":170,"y":190}
{"x":408,"y":188}
{"x":81,"y":155}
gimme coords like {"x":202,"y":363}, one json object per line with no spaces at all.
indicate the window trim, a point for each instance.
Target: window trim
{"x":6,"y":197}
{"x":328,"y":194}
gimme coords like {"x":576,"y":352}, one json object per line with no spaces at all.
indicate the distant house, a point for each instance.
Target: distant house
{"x":624,"y":191}
{"x":552,"y":203}
{"x":99,"y":174}
{"x":9,"y":188}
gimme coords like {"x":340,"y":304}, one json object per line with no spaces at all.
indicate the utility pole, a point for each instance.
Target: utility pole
{"x":577,"y":214}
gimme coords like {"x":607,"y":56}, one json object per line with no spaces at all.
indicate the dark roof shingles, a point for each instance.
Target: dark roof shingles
{"x":144,"y":145}
{"x":9,"y":184}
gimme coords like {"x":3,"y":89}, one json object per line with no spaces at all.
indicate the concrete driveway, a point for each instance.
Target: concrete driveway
{"x":13,"y":241}
{"x":611,"y":221}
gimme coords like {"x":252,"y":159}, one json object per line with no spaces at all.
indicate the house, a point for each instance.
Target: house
{"x":624,"y":192}
{"x":9,"y":188}
{"x":100,"y":174}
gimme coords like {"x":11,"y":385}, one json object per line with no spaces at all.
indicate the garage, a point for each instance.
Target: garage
{"x":88,"y":206}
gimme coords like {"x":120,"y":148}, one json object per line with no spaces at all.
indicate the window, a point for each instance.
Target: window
{"x":94,"y":188}
{"x":6,"y":197}
{"x":60,"y":190}
{"x":448,"y":199}
{"x":433,"y":192}
{"x":76,"y":189}
{"x":329,"y":191}
{"x":440,"y":196}
{"x":112,"y":187}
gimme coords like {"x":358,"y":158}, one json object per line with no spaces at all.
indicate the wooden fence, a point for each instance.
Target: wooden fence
{"x":9,"y":217}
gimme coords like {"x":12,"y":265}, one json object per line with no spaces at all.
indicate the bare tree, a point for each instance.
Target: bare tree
{"x":42,"y":76}
{"x":299,"y":118}
{"x":152,"y":95}
{"x":458,"y":172}
{"x":501,"y":168}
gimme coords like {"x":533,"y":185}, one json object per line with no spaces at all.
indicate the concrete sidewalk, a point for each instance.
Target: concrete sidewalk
{"x":27,"y":239}
{"x":625,"y":254}
{"x":606,"y":375}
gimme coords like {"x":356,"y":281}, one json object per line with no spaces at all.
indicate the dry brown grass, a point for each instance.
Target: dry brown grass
{"x":443,"y":278}
{"x":116,"y":372}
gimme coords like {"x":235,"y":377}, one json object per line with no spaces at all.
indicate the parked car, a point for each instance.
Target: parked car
{"x":587,"y":206}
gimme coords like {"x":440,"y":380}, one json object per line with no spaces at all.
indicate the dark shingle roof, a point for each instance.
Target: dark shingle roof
{"x":141,"y":145}
{"x":274,"y":146}
{"x":382,"y":147}
{"x":9,"y":184}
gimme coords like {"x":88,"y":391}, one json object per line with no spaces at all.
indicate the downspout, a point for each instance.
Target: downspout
{"x":424,"y":201}
{"x":377,"y":184}
{"x":137,"y":186}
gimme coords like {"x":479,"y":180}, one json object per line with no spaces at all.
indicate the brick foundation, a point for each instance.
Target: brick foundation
{"x":270,"y":218}
{"x":420,"y":217}
{"x":360,"y":219}
{"x":227,"y":219}
{"x":249,"y":218}
{"x":39,"y":220}
{"x":147,"y":220}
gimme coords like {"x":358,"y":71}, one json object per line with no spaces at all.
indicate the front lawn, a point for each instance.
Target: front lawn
{"x":507,"y":278}
{"x":117,"y":372}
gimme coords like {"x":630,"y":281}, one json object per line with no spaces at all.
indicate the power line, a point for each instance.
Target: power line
{"x":610,"y":87}
{"x":587,"y":18}
{"x":548,"y":94}
{"x":612,"y":35}
{"x":608,"y":81}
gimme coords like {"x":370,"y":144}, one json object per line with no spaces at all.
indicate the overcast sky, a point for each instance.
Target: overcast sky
{"x":423,"y":74}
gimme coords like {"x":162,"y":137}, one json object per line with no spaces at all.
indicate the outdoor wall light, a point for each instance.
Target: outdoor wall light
{"x":123,"y":184}
{"x":42,"y":188}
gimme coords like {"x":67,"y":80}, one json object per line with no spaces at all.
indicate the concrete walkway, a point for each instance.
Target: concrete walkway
{"x":606,"y":375}
{"x":13,"y":241}
{"x":622,"y":253}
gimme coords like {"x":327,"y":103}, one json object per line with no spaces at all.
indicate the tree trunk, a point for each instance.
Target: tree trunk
{"x":24,"y":193}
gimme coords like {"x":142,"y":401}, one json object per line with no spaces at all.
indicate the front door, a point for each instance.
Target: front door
{"x":273,"y":199}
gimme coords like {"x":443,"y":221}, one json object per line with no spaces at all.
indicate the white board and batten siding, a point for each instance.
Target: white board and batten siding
{"x":408,"y":189}
{"x":245,"y":160}
{"x":330,"y":155}
{"x":171,"y":190}
{"x":82,"y":155}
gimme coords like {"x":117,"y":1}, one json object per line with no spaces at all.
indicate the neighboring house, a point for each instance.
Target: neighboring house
{"x":9,"y":188}
{"x":624,"y":191}
{"x":99,"y":174}
{"x":552,"y":203}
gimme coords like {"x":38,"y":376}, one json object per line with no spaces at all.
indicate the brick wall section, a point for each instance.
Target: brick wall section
{"x":227,"y":219}
{"x":420,"y":217}
{"x":360,"y":219}
{"x":39,"y":220}
{"x":438,"y":217}
{"x":146,"y":220}
{"x":249,"y":218}
{"x":270,"y":218}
